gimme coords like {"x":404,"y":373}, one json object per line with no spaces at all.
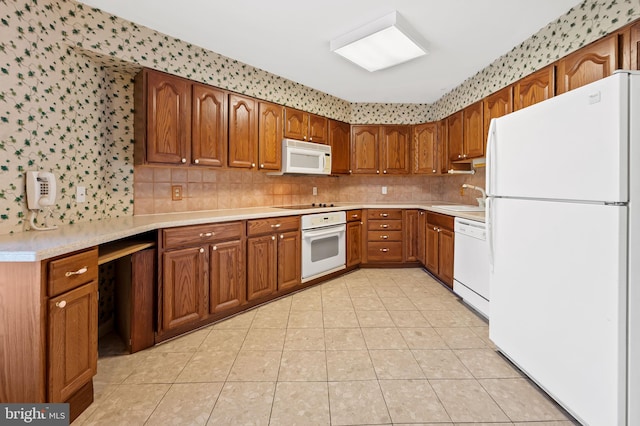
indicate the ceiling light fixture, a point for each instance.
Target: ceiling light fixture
{"x":383,"y":43}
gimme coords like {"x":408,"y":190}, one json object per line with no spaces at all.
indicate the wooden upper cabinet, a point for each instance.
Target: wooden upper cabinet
{"x":473,"y":134}
{"x":425,"y":148}
{"x":394,"y":149}
{"x":365,"y":142}
{"x":168,"y":118}
{"x":209,"y":126}
{"x":304,"y":126}
{"x":634,"y":44}
{"x":270,"y":117}
{"x":590,"y":63}
{"x":339,"y":140}
{"x":455,"y":131}
{"x":534,"y":88}
{"x":243,"y":131}
{"x":318,"y":129}
{"x":443,"y":149}
{"x":496,"y":105}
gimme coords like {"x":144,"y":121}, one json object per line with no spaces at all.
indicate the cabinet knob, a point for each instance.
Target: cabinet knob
{"x":384,"y":237}
{"x":262,"y":166}
{"x":196,"y":161}
{"x":384,"y":226}
{"x":201,"y":250}
{"x":435,"y":229}
{"x":215,"y":247}
{"x":273,"y":237}
{"x":207,"y":234}
{"x":459,"y":156}
{"x":350,"y":171}
{"x":361,"y":223}
{"x":384,"y":214}
{"x":378,"y":172}
{"x":80,"y":271}
{"x":384,"y":171}
{"x":277,"y":225}
{"x":281,"y":236}
{"x":304,"y":138}
{"x":464,"y":155}
{"x":433,"y":171}
{"x":384,"y":250}
{"x":61,"y":304}
{"x":310,"y":139}
{"x":253,"y":165}
{"x":421,"y":213}
{"x":184,"y":160}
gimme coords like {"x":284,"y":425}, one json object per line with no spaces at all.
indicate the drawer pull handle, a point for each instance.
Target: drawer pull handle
{"x":384,"y":215}
{"x":384,"y":226}
{"x":384,"y":250}
{"x":207,"y":234}
{"x":215,"y":247}
{"x":277,"y":225}
{"x":61,"y":304}
{"x":80,"y":271}
{"x":281,"y":236}
{"x":201,"y":250}
{"x":384,"y":237}
{"x":273,"y":237}
{"x":354,"y":216}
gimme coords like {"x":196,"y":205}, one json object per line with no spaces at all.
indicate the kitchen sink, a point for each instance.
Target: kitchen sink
{"x":460,"y":208}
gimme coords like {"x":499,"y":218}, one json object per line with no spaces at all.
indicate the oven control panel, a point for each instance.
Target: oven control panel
{"x":319,"y":220}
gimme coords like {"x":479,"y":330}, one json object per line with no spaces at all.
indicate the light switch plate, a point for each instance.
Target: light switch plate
{"x":81,"y":194}
{"x":384,"y":190}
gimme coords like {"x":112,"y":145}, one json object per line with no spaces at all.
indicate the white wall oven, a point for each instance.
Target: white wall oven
{"x":323,"y":244}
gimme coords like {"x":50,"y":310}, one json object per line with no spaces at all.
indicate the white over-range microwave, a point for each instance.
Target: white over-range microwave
{"x":304,"y":158}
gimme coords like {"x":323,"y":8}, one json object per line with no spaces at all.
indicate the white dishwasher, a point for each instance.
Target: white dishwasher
{"x":471,"y":264}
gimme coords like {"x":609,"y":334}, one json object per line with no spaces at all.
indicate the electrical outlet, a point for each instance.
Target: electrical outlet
{"x":81,"y":194}
{"x":314,"y":190}
{"x":176,"y":192}
{"x":384,"y":190}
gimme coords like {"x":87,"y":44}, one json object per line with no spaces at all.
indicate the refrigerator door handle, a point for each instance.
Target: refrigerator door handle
{"x":491,"y":137}
{"x":489,"y":224}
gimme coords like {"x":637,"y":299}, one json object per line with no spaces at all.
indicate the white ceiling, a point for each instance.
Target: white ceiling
{"x":290,"y":38}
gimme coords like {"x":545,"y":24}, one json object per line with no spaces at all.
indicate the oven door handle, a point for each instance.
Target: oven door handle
{"x":321,"y":233}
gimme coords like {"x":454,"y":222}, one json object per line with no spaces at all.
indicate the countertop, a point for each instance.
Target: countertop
{"x":33,"y":246}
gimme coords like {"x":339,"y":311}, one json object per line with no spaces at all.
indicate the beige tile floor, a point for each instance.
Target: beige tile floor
{"x":383,"y":346}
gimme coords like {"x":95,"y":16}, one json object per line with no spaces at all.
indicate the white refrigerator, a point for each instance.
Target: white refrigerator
{"x":563,"y":184}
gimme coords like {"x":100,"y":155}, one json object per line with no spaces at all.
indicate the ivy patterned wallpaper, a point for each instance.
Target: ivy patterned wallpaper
{"x":66,"y":94}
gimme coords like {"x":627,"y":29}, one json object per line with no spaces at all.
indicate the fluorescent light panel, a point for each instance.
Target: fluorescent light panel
{"x":380,"y":44}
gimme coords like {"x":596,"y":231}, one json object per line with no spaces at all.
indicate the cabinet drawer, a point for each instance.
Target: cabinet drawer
{"x":200,"y":234}
{"x":72,"y":271}
{"x":354,"y":215}
{"x":276,"y":224}
{"x":384,"y":214}
{"x":384,"y":236}
{"x":440,"y":220}
{"x":384,"y":251}
{"x":384,"y":225}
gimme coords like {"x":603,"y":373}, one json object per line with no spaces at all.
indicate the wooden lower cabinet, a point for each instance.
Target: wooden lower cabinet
{"x":183,"y":287}
{"x":411,"y":235}
{"x":73,"y":341}
{"x":440,"y":246}
{"x":384,"y":236}
{"x":422,"y":238}
{"x":289,"y":262}
{"x":262,"y":272}
{"x":354,"y":243}
{"x":227,"y":280}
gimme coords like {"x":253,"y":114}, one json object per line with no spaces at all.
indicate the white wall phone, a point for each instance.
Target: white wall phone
{"x":41,"y":193}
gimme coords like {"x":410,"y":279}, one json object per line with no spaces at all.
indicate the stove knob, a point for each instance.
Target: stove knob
{"x":324,"y":205}
{"x":313,"y":204}
{"x":331,"y":205}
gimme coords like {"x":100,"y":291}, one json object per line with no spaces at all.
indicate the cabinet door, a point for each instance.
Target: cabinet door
{"x":269,"y":136}
{"x":227,"y":281}
{"x":354,"y":243}
{"x":422,"y":238}
{"x":433,"y":248}
{"x":425,"y":148}
{"x":289,"y":260}
{"x":443,"y":147}
{"x":73,"y":341}
{"x":496,"y":105}
{"x":411,"y":235}
{"x":534,"y":88}
{"x":445,"y":259}
{"x":318,"y":129}
{"x":184,"y":279}
{"x":634,"y":41}
{"x":473,"y":133}
{"x":261,"y":266}
{"x":394,"y":149}
{"x":339,"y":140}
{"x":296,"y":124}
{"x":168,"y":118}
{"x":455,"y":131}
{"x":243,"y":131}
{"x":590,"y":63}
{"x":209,"y":126}
{"x":364,"y":149}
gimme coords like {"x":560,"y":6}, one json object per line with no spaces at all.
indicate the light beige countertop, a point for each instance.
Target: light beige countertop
{"x":32,"y":246}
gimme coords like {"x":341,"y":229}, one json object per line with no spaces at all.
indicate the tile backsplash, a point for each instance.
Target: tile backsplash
{"x":66,"y":104}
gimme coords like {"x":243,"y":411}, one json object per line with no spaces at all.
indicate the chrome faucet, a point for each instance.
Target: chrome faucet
{"x":481,"y":200}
